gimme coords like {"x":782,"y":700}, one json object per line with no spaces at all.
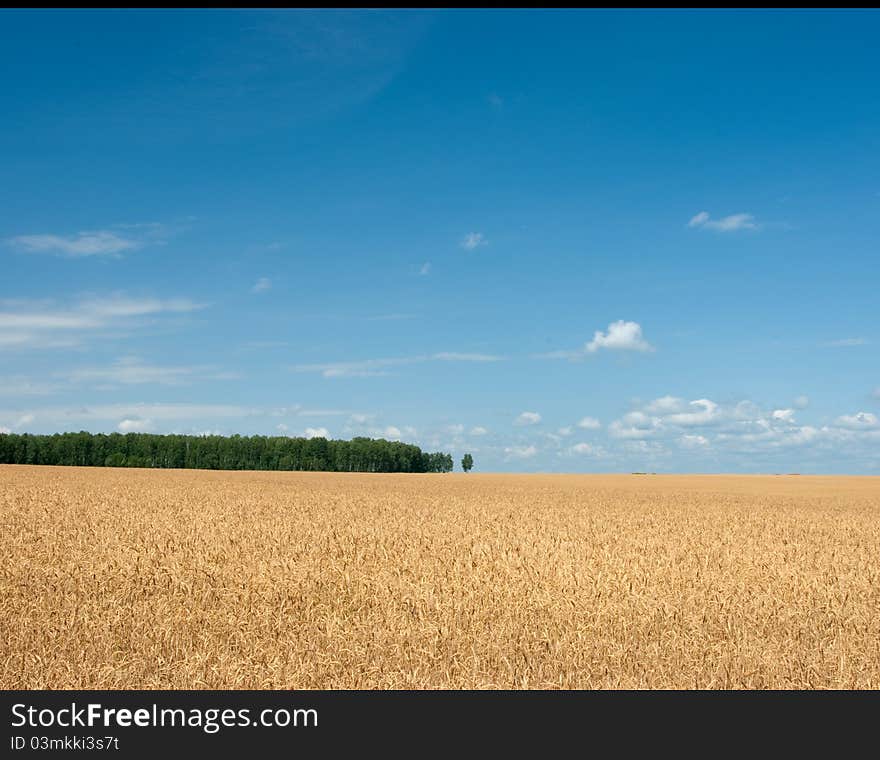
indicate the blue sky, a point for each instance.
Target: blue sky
{"x":563,"y":241}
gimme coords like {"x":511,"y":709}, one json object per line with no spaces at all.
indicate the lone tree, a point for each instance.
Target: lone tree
{"x":467,"y":462}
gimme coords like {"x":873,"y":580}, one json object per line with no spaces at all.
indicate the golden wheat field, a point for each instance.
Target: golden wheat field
{"x":115,"y":578}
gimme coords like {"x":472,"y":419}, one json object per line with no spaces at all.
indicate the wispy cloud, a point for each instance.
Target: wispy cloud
{"x":730,"y":223}
{"x":589,"y":423}
{"x":377,"y":367}
{"x":844,"y":342}
{"x":127,"y":417}
{"x":22,"y":386}
{"x":97,"y":243}
{"x":153,"y":415}
{"x":262,"y":285}
{"x":119,"y":305}
{"x":473,"y":240}
{"x":426,"y":269}
{"x":113,"y":241}
{"x":28,"y":324}
{"x":131,"y":370}
{"x":453,"y":356}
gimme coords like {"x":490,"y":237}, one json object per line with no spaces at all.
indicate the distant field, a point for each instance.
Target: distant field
{"x":116,"y":578}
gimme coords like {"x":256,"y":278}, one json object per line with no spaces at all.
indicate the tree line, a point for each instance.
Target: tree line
{"x":216,"y":452}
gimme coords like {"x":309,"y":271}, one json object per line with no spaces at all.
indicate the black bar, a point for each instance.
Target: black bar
{"x":546,"y":723}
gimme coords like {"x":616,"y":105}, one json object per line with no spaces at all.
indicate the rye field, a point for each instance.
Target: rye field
{"x":125,"y":578}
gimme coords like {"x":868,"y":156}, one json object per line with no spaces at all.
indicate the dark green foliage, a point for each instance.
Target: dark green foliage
{"x":437,"y":462}
{"x":215,"y":452}
{"x":467,"y":462}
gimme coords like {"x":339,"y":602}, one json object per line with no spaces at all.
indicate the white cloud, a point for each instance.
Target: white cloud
{"x":858,"y":421}
{"x":392,"y":432}
{"x":134,"y":425}
{"x":520,"y":452}
{"x":730,"y":223}
{"x":589,"y":423}
{"x":97,"y":243}
{"x":587,"y":449}
{"x":281,"y":427}
{"x":25,"y":419}
{"x":478,"y":430}
{"x":665,"y":405}
{"x":565,"y":431}
{"x":621,"y":336}
{"x":663,"y":413}
{"x":783,"y":415}
{"x":262,"y":285}
{"x":740,"y":429}
{"x":527,"y":418}
{"x":318,"y":432}
{"x":801,"y":402}
{"x":426,"y":269}
{"x":4,"y":430}
{"x":635,"y":425}
{"x":473,"y":240}
{"x":700,"y":412}
{"x":677,"y":411}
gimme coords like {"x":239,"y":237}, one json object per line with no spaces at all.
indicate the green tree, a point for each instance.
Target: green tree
{"x":217,"y":452}
{"x":467,"y":462}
